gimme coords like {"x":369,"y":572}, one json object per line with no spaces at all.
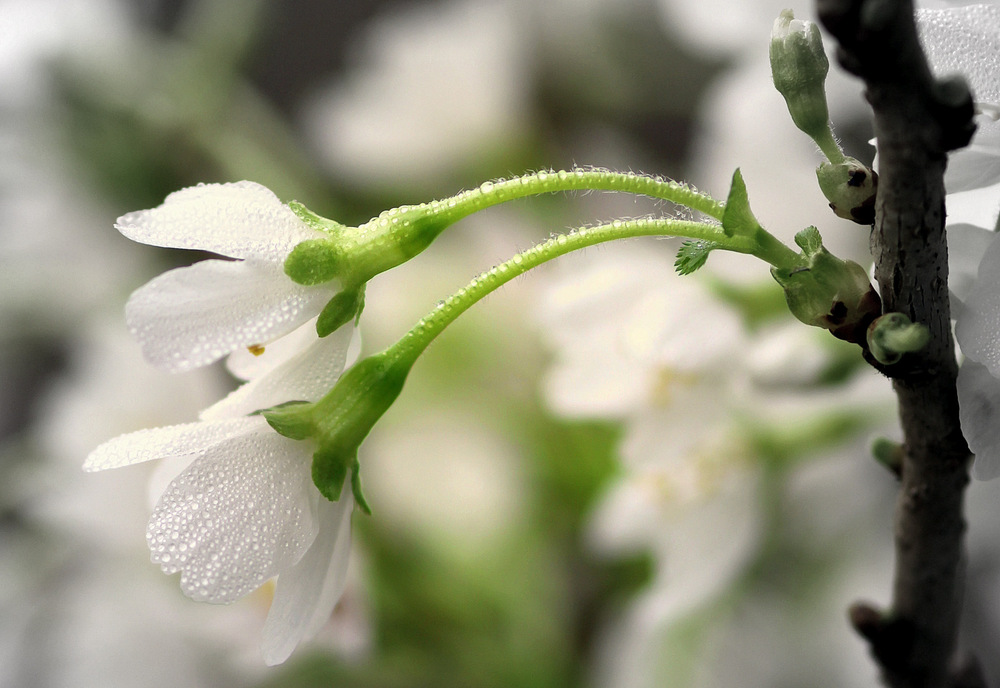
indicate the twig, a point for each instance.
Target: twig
{"x":917,"y":121}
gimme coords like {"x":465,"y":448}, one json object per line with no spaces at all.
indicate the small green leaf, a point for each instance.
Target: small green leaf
{"x":692,"y":255}
{"x":738,"y":219}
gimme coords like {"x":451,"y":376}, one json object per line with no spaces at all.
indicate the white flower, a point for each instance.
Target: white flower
{"x":244,"y":508}
{"x":434,"y":87}
{"x":967,"y":40}
{"x":195,"y":315}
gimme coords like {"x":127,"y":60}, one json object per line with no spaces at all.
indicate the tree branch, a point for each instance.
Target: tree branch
{"x":917,"y":121}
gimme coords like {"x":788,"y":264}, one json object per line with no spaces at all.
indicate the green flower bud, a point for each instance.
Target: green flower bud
{"x":893,"y":335}
{"x":851,"y":188}
{"x":799,"y":67}
{"x":889,"y":453}
{"x":829,"y":292}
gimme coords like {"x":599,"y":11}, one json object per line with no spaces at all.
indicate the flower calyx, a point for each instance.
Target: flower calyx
{"x":352,"y":256}
{"x":829,"y":292}
{"x":341,"y":420}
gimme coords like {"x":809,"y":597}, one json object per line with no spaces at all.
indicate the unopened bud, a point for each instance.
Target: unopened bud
{"x":892,"y":335}
{"x":829,"y":292}
{"x":851,"y":188}
{"x":799,"y":67}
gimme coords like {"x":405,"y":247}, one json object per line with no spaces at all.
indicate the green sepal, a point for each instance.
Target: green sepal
{"x":810,"y":241}
{"x":342,"y":308}
{"x":359,"y":495}
{"x":692,"y":255}
{"x":313,"y":220}
{"x":347,"y":413}
{"x":292,"y":419}
{"x":329,"y":471}
{"x":314,"y":261}
{"x":738,"y":219}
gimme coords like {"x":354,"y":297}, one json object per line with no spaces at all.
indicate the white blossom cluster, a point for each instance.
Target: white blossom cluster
{"x":242,"y":507}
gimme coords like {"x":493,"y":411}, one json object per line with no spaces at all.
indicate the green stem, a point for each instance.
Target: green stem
{"x":771,"y":250}
{"x":454,"y":208}
{"x":414,"y":342}
{"x":828,"y":144}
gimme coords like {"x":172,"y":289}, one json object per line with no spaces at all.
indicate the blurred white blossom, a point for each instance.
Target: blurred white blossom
{"x":432,"y":87}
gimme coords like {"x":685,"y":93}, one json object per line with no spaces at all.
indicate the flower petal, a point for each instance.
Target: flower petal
{"x":239,"y":515}
{"x":239,"y":220}
{"x":305,"y":376}
{"x":307,"y":593}
{"x":978,"y":164}
{"x":160,"y":443}
{"x":977,"y":328}
{"x":192,"y":316}
{"x":964,"y":40}
{"x":966,"y":246}
{"x":979,"y":414}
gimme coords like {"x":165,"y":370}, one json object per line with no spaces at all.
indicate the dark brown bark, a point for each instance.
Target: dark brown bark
{"x":917,"y":121}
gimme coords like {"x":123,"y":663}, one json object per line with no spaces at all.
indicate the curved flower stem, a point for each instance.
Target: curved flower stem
{"x":453,"y":208}
{"x":345,"y":415}
{"x":414,"y":342}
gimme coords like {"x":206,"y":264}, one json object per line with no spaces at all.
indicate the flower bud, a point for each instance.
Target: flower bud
{"x":851,"y":188}
{"x":893,"y":335}
{"x":829,"y":292}
{"x":799,"y":67}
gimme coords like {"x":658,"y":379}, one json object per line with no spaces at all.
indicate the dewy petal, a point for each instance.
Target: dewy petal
{"x":979,"y":206}
{"x":978,"y":164}
{"x":977,"y":328}
{"x":160,"y":443}
{"x":193,"y":316}
{"x":979,"y":414}
{"x":239,"y":515}
{"x":239,"y":220}
{"x":966,"y":246}
{"x":247,"y":365}
{"x":307,"y":593}
{"x":306,"y":376}
{"x":965,"y":40}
